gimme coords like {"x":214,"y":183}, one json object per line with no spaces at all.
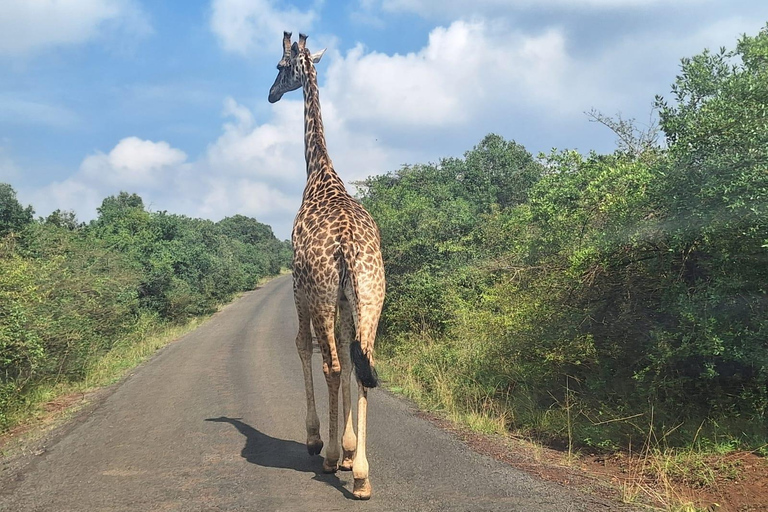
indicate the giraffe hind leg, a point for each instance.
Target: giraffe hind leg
{"x":324,"y":319}
{"x":346,"y":336}
{"x":362,"y":485}
{"x":366,"y":333}
{"x":304,"y":347}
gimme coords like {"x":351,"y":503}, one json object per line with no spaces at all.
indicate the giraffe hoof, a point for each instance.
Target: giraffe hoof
{"x":362,"y":489}
{"x":314,"y":446}
{"x":330,"y":467}
{"x":346,"y":462}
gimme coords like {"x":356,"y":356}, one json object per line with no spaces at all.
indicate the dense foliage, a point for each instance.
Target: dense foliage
{"x":596,"y":297}
{"x":69,"y":292}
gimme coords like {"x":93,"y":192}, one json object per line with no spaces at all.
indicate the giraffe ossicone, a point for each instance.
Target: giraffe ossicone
{"x":337,"y":270}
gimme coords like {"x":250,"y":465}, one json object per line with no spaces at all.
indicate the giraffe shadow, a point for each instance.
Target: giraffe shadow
{"x":271,"y":452}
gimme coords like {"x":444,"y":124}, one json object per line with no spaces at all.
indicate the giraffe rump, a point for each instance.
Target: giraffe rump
{"x":363,"y":369}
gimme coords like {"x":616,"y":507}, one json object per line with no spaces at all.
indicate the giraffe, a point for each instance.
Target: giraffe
{"x":337,"y":267}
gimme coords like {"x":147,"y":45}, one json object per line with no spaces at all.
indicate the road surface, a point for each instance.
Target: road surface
{"x":216,"y":422}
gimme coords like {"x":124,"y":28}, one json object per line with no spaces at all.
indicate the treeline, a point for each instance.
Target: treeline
{"x":598,"y":299}
{"x":71,"y":291}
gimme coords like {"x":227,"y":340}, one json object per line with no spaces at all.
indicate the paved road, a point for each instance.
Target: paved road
{"x":216,"y":422}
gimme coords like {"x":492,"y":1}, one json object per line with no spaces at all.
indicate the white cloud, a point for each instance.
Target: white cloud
{"x":133,"y":162}
{"x":255,"y":170}
{"x":477,"y":76}
{"x":443,"y":8}
{"x":250,"y":169}
{"x":273,"y":149}
{"x":466,"y":70}
{"x":260,"y":170}
{"x":255,"y":26}
{"x":30,"y":25}
{"x":71,"y":194}
{"x":133,"y":165}
{"x":247,"y":197}
{"x":636,"y":66}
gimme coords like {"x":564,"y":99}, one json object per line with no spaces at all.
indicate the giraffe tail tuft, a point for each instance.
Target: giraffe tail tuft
{"x":363,"y":369}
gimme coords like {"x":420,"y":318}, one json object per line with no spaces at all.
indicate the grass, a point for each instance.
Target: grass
{"x":125,"y":357}
{"x":670,"y":478}
{"x":480,"y":413}
{"x":42,"y":404}
{"x":438,"y":378}
{"x":39,"y":402}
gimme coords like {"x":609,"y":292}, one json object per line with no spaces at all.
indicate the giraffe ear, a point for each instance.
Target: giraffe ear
{"x":294,"y":49}
{"x":317,"y":56}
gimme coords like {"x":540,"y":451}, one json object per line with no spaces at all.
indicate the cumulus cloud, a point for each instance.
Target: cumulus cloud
{"x":259,"y":169}
{"x":255,"y":26}
{"x":248,"y":197}
{"x":375,"y":107}
{"x":472,"y":77}
{"x":30,"y":25}
{"x":132,"y":162}
{"x":255,"y":169}
{"x":273,"y":149}
{"x":251,"y":169}
{"x":71,"y":194}
{"x":529,"y":84}
{"x":464,"y":69}
{"x":442,"y":8}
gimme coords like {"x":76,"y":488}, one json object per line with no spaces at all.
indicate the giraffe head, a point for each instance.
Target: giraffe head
{"x":290,"y":69}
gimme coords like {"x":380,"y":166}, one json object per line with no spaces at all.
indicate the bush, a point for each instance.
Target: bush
{"x":71,"y":292}
{"x":607,"y":286}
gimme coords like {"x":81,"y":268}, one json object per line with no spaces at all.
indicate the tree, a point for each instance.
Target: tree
{"x":715,"y":212}
{"x":717,"y":132}
{"x":63,"y":219}
{"x":114,"y":207}
{"x":499,"y":171}
{"x":13,"y":216}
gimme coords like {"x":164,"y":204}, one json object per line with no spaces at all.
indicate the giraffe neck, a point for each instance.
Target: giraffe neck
{"x":315,"y":151}
{"x":321,"y":177}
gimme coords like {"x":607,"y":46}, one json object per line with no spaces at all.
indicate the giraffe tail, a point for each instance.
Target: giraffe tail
{"x":363,"y":369}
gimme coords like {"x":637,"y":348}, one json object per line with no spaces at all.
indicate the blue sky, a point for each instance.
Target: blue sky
{"x":168,"y":99}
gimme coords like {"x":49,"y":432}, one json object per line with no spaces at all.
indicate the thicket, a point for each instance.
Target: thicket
{"x":70,"y":292}
{"x":594,"y":299}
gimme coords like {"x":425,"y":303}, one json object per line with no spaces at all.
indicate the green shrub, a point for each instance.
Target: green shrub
{"x":70,"y":292}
